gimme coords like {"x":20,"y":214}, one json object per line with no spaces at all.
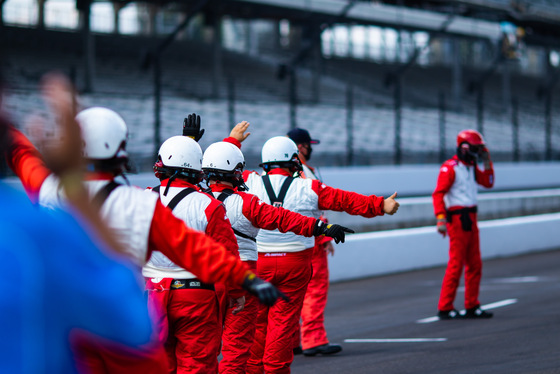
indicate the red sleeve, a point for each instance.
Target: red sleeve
{"x":445,"y":180}
{"x":267,"y":217}
{"x":233,"y":141}
{"x":193,"y":250}
{"x":485,"y":177}
{"x":345,"y":201}
{"x":26,"y":162}
{"x":246,"y":174}
{"x":219,"y":229}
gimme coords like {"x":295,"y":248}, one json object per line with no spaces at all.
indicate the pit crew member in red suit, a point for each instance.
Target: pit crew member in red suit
{"x":312,"y":339}
{"x":223,"y":165}
{"x":189,"y":312}
{"x":455,"y":207}
{"x":285,"y":258}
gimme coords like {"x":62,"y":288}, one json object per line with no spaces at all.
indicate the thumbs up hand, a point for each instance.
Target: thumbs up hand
{"x":390,"y":205}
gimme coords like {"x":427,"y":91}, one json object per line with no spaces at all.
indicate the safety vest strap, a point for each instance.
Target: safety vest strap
{"x":277,"y":201}
{"x":102,"y":195}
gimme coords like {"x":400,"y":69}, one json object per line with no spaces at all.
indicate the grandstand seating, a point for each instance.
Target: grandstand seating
{"x":262,"y":99}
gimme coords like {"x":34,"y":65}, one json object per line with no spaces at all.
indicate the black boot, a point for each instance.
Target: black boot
{"x":449,"y":314}
{"x":325,"y":349}
{"x":476,"y":313}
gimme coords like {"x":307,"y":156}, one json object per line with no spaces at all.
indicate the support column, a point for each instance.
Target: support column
{"x":506,"y":89}
{"x":88,"y":47}
{"x":2,"y":13}
{"x":216,"y":54}
{"x":117,"y":7}
{"x":316,"y":69}
{"x":152,"y":13}
{"x":41,"y":14}
{"x":457,"y":76}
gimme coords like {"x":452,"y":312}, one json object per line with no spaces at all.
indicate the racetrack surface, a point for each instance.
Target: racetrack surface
{"x":523,"y":336}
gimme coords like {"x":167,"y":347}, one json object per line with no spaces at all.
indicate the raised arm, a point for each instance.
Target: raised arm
{"x":27,"y":163}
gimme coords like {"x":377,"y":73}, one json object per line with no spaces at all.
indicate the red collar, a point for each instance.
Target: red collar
{"x":179,"y":183}
{"x":99,"y":176}
{"x":279,"y":171}
{"x":219,"y":187}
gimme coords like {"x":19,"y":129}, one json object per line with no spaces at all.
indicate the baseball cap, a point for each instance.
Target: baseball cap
{"x":300,"y":136}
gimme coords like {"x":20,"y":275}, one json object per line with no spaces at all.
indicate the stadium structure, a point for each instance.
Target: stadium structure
{"x":379,"y":82}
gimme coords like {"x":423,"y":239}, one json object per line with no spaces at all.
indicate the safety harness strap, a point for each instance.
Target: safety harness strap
{"x":225,"y":194}
{"x":180,"y":196}
{"x":102,"y":195}
{"x":277,"y":201}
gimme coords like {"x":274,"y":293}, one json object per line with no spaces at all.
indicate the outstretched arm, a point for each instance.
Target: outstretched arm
{"x":353,"y":203}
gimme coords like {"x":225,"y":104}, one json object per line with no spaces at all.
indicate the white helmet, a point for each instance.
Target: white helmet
{"x":179,"y":156}
{"x":223,"y":156}
{"x":104,"y":133}
{"x":280,"y":151}
{"x":181,"y":152}
{"x":223,"y":161}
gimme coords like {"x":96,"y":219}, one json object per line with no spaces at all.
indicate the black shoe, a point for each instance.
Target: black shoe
{"x":298,"y":350}
{"x":325,"y":349}
{"x":476,"y":312}
{"x":449,"y":314}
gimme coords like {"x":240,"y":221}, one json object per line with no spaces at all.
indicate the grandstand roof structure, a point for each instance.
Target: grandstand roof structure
{"x":471,"y":18}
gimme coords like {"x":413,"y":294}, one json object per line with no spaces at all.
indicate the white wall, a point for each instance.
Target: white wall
{"x":384,"y":252}
{"x":420,"y":180}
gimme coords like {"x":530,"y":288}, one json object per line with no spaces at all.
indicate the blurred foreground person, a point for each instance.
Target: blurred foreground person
{"x":312,"y":339}
{"x":455,"y":207}
{"x":223,"y":165}
{"x":54,"y":274}
{"x":139,"y":222}
{"x":285,"y":258}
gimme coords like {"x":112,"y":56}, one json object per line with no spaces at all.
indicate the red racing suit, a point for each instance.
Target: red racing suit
{"x":248,"y":214}
{"x":189,"y":313}
{"x":313,"y":332}
{"x":455,"y":198}
{"x":285,"y":261}
{"x":142,"y":225}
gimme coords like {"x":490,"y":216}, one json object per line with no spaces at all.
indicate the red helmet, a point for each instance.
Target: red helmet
{"x":472,"y":137}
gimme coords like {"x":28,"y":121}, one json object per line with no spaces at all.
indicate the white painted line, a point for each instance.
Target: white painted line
{"x":403,"y":340}
{"x":529,"y":279}
{"x":428,"y":320}
{"x":495,"y":305}
{"x":499,"y":304}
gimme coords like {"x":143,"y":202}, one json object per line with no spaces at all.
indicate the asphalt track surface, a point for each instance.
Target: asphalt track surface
{"x":386,"y":312}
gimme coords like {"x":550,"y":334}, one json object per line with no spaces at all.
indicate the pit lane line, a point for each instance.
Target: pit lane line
{"x":401,"y":340}
{"x":494,"y":305}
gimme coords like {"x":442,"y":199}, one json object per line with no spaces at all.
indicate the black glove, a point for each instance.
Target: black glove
{"x":484,"y":156}
{"x":266,"y":292}
{"x":191,"y":127}
{"x":334,"y":231}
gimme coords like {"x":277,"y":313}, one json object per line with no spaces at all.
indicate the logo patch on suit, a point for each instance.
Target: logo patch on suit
{"x":177,"y":284}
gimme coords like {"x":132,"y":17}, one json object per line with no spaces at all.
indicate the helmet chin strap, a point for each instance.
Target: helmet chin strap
{"x":171,"y":179}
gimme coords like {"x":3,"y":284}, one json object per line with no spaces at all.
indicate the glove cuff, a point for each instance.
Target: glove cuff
{"x":318,"y":230}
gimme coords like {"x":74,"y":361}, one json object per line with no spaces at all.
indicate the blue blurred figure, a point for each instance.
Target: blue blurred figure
{"x":59,"y":286}
{"x":55,"y":281}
